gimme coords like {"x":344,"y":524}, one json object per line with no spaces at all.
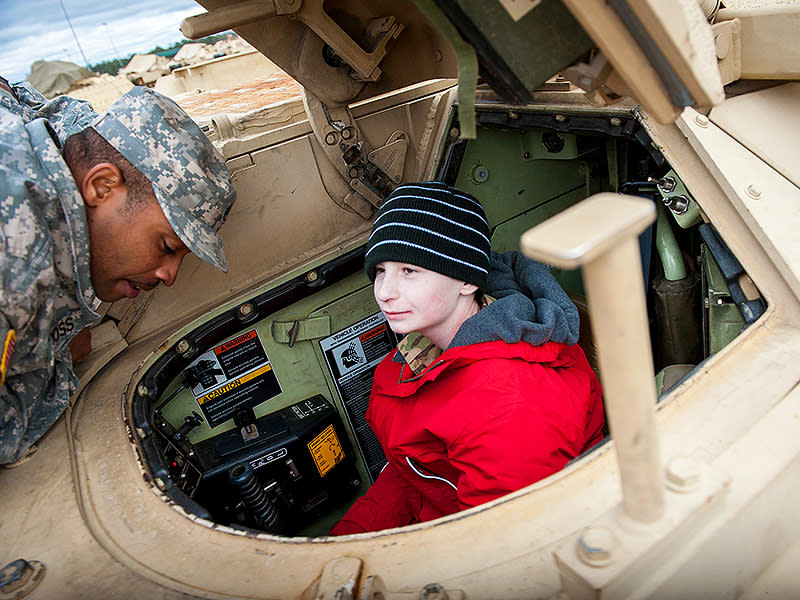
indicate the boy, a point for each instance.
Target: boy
{"x":486,"y":393}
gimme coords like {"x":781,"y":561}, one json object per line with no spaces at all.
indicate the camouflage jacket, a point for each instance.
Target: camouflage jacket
{"x":64,"y":114}
{"x":46,"y":296}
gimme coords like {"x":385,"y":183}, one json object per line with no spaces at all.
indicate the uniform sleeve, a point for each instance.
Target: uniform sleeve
{"x":65,"y":115}
{"x":388,"y":503}
{"x":12,"y":418}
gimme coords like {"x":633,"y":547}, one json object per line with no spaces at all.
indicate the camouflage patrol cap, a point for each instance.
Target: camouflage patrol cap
{"x":189,"y":177}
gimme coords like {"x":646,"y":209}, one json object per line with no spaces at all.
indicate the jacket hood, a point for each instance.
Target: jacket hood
{"x":530,"y":306}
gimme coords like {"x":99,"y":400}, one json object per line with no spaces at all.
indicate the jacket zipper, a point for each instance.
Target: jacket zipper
{"x":421,"y":474}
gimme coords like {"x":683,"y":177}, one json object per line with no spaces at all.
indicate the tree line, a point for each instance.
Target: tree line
{"x":114,"y":65}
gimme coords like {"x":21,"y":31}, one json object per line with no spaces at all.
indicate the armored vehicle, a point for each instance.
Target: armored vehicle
{"x":641,"y":148}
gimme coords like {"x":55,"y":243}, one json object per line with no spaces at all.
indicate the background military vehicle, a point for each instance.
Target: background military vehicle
{"x":219,"y":429}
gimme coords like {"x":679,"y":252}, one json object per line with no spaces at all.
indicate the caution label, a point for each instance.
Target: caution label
{"x":326,"y":450}
{"x":231,"y":375}
{"x":232,"y":385}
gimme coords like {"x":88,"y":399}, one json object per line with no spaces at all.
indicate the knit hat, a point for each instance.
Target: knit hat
{"x":433,"y":226}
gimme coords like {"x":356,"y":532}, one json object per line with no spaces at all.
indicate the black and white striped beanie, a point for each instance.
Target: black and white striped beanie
{"x":433,"y":226}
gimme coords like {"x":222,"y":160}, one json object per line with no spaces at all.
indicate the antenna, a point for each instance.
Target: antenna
{"x":111,"y":39}
{"x":66,"y":16}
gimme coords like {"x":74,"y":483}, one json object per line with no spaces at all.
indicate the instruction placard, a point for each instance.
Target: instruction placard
{"x":352,"y":355}
{"x":231,"y":375}
{"x":326,"y":450}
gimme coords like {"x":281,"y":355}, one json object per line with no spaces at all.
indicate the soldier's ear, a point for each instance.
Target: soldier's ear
{"x":102,"y":183}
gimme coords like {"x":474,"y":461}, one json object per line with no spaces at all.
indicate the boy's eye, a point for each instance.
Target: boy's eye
{"x":166,"y":247}
{"x":409,"y":270}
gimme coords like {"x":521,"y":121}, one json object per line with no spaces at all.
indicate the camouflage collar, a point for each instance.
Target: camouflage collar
{"x":419,"y":352}
{"x":76,"y":257}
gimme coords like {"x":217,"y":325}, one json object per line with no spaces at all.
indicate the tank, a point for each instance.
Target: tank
{"x":643,"y":149}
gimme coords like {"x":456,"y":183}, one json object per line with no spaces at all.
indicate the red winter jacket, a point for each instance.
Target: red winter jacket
{"x":481,"y":421}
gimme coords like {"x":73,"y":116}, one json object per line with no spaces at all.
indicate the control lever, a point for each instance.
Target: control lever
{"x":189,"y":423}
{"x":245,"y":420}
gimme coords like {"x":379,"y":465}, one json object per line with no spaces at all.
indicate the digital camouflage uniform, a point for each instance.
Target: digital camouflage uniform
{"x":46,"y":294}
{"x":64,"y":114}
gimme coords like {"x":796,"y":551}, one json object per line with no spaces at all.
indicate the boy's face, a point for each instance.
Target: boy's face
{"x":416,"y":299}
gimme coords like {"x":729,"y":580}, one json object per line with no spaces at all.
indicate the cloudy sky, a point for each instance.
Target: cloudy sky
{"x":38,"y":29}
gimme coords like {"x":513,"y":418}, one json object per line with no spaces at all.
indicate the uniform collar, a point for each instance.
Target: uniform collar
{"x":59,"y":175}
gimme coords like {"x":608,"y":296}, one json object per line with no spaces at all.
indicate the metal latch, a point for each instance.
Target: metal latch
{"x":20,"y":577}
{"x":289,"y":332}
{"x":366,"y":176}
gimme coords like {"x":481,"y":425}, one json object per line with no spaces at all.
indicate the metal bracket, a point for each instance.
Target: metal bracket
{"x":20,"y":577}
{"x":289,"y":332}
{"x":363,"y":170}
{"x":338,"y":580}
{"x":363,"y":64}
{"x":374,"y":588}
{"x":618,"y":558}
{"x":728,"y":42}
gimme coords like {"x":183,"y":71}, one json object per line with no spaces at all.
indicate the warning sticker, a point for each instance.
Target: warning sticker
{"x":326,"y":450}
{"x":231,"y":375}
{"x":352,"y":355}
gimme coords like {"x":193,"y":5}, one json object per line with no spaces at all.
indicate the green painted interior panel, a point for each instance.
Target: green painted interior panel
{"x":510,"y":172}
{"x":521,"y":182}
{"x":298,"y":369}
{"x":724,"y":321}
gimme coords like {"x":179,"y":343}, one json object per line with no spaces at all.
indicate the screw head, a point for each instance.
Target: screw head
{"x":560,"y":118}
{"x":615,"y":121}
{"x":183,"y":346}
{"x":596,"y":546}
{"x":433,"y":591}
{"x":142,"y":390}
{"x":480,"y":174}
{"x":245,"y":309}
{"x":701,"y":120}
{"x":682,"y":474}
{"x":312,"y":276}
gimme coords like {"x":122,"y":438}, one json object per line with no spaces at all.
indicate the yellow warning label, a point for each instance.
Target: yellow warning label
{"x":233,"y":384}
{"x":326,"y":450}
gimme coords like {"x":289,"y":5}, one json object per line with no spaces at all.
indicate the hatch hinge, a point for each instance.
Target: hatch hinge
{"x":374,"y":588}
{"x":362,"y":177}
{"x":339,"y":579}
{"x":380,"y":32}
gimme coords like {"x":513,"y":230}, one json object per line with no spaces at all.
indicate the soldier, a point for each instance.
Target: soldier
{"x":485,"y":393}
{"x":111,"y":213}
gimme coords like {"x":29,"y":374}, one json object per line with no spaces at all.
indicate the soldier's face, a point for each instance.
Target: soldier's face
{"x":132,"y":249}
{"x":417,"y":299}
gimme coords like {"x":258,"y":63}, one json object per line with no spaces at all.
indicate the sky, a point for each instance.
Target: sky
{"x":37,"y":29}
